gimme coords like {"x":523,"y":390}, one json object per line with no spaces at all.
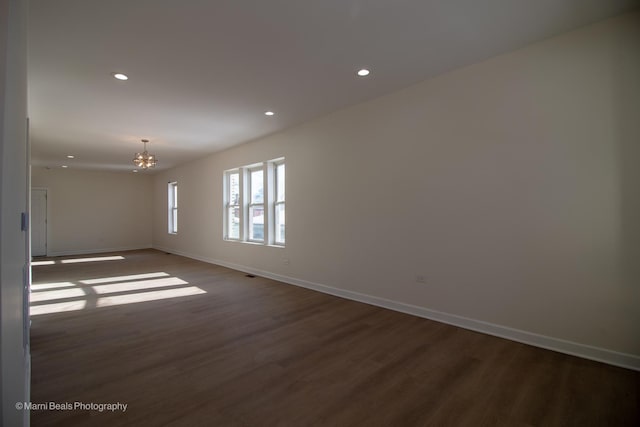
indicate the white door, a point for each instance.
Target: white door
{"x":38,"y":222}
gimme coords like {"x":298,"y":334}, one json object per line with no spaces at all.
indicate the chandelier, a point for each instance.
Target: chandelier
{"x":145,"y":160}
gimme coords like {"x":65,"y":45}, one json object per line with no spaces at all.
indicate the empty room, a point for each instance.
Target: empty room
{"x":336,"y":213}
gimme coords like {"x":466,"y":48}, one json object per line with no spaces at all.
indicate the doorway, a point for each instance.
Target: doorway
{"x":38,"y":222}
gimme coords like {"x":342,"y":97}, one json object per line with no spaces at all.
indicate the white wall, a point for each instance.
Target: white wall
{"x":511,"y":185}
{"x":96,"y":211}
{"x":14,"y":354}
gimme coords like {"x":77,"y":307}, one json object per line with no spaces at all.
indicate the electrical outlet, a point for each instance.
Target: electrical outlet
{"x":420,"y":279}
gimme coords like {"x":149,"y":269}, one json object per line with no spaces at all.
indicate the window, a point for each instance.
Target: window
{"x":254,"y":203}
{"x":173,"y":207}
{"x":278,"y":205}
{"x":233,"y":205}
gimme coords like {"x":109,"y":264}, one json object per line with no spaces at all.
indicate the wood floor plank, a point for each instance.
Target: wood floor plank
{"x":255,"y":352}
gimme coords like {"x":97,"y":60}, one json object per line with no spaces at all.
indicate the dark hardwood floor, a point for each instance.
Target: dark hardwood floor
{"x":255,"y":352}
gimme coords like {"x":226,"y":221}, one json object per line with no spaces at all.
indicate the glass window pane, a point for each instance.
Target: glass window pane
{"x":280,"y":182}
{"x":257,"y":191}
{"x":234,"y":188}
{"x":280,"y":224}
{"x":256,"y":223}
{"x":234,"y":222}
{"x":174,"y":222}
{"x":175,"y":195}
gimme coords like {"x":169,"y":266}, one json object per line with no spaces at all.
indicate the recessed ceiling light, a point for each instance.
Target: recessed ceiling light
{"x":269,"y":113}
{"x":120,"y":76}
{"x":363,"y":72}
{"x":65,"y":166}
{"x":71,"y":156}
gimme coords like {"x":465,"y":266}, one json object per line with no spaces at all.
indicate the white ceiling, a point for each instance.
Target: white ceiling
{"x":203,"y":72}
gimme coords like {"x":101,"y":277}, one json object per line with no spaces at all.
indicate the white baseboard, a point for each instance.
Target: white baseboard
{"x":97,"y":251}
{"x":598,"y":354}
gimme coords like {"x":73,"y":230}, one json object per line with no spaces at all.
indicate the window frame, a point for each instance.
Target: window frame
{"x":246,"y":205}
{"x":250,"y":205}
{"x":229,"y":205}
{"x":277,"y":202}
{"x":172,"y":204}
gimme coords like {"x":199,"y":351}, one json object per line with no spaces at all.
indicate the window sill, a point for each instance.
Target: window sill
{"x":248,"y":242}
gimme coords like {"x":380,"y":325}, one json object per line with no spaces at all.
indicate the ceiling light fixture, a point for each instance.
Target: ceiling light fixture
{"x":269,"y":113}
{"x":145,"y":160}
{"x":65,"y":166}
{"x":71,"y":156}
{"x":120,"y":76}
{"x":364,"y":72}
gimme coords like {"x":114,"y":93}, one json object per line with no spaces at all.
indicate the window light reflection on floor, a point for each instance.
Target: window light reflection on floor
{"x":37,"y":263}
{"x":124,"y":278}
{"x":58,"y":307}
{"x":149,"y":296}
{"x":138,"y":285}
{"x":53,"y":285}
{"x":57,"y":294}
{"x":59,"y":297}
{"x":93,"y":259}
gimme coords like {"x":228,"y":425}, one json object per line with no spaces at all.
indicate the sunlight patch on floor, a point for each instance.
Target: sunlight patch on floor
{"x":37,"y":263}
{"x":139,"y":285}
{"x":124,"y":278}
{"x":59,"y":307}
{"x":52,"y":285}
{"x":93,"y":259}
{"x":149,"y":296}
{"x":58,"y":297}
{"x":57,"y":294}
